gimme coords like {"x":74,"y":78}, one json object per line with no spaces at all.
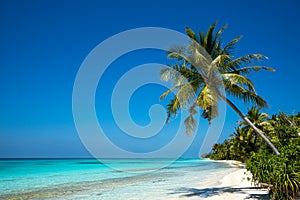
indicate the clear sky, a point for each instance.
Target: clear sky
{"x":43,"y":44}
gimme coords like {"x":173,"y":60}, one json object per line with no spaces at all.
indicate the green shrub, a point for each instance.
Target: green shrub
{"x":281,"y":173}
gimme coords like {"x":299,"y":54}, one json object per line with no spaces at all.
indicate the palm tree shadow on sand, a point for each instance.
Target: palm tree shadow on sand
{"x":209,"y":192}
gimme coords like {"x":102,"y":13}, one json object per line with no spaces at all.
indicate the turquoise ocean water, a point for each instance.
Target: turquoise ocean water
{"x":90,"y":179}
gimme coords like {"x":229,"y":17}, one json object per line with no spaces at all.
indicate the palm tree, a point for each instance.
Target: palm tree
{"x":259,"y":119}
{"x":244,"y":138}
{"x":203,"y":70}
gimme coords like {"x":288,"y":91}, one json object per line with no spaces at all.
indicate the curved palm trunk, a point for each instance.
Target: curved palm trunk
{"x":251,"y":124}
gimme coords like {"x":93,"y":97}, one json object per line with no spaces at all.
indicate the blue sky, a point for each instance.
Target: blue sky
{"x":43,"y":44}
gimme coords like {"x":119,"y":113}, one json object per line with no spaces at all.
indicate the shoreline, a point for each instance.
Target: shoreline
{"x":232,"y":186}
{"x":212,"y":180}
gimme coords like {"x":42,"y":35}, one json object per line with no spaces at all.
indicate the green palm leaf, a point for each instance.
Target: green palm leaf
{"x":238,"y":80}
{"x":246,"y":70}
{"x":190,"y":33}
{"x":247,"y":59}
{"x":231,"y":45}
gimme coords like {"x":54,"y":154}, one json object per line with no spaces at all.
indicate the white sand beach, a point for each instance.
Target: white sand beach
{"x":232,"y":186}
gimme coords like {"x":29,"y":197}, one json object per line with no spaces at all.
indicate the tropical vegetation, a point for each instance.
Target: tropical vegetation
{"x":280,"y":173}
{"x":205,"y":72}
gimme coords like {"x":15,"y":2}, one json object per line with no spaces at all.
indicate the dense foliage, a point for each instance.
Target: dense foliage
{"x":243,"y":140}
{"x":280,"y":172}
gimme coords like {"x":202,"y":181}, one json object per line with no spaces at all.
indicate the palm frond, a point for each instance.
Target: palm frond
{"x":166,"y":93}
{"x":210,"y":113}
{"x":238,"y":80}
{"x":209,"y":38}
{"x":216,"y":50}
{"x":216,"y":44}
{"x":220,"y":60}
{"x":206,"y":98}
{"x":263,"y":116}
{"x":255,"y":99}
{"x":250,"y":97}
{"x":230,"y":46}
{"x":247,"y":59}
{"x":218,"y":34}
{"x":201,"y":38}
{"x":186,"y":95}
{"x":189,"y":73}
{"x":199,"y":61}
{"x":246,"y":70}
{"x":167,"y":74}
{"x":190,"y":33}
{"x":243,"y":94}
{"x":172,"y":108}
{"x":177,"y":52}
{"x":190,"y":122}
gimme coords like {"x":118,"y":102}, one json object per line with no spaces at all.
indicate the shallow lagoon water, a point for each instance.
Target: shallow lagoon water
{"x":90,"y":179}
